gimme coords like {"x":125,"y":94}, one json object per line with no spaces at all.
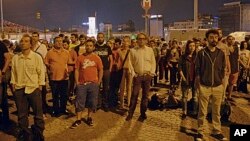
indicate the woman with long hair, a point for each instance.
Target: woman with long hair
{"x":187,"y":73}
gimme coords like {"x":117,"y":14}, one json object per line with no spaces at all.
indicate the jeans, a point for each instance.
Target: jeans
{"x":59,"y":95}
{"x":185,"y":90}
{"x":104,"y":95}
{"x":22,"y":103}
{"x":173,"y":73}
{"x":114,"y":88}
{"x":4,"y":102}
{"x":4,"y":97}
{"x":138,"y":83}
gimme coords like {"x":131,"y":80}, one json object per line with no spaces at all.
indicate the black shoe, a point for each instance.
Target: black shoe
{"x":76,"y":124}
{"x":106,"y":109}
{"x":56,"y":114}
{"x":199,"y":137}
{"x":90,"y":121}
{"x":219,"y":137}
{"x":37,"y":133}
{"x":142,"y":117}
{"x":183,"y":116}
{"x":129,"y":117}
{"x":24,"y":136}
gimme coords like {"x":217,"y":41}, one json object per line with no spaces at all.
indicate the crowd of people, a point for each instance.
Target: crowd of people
{"x":110,"y":74}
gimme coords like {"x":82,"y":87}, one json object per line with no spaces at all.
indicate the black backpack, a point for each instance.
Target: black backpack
{"x":225,"y":111}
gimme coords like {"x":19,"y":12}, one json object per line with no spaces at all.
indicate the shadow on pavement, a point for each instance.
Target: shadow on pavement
{"x":9,"y":128}
{"x":188,"y":131}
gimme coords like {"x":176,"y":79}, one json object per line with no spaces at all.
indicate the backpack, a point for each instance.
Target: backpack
{"x":225,"y":111}
{"x":172,"y":101}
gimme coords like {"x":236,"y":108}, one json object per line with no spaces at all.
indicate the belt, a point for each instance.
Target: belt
{"x":144,"y":74}
{"x":86,"y":83}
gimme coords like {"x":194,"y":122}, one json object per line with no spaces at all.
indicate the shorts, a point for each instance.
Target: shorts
{"x":86,"y":96}
{"x":233,"y":78}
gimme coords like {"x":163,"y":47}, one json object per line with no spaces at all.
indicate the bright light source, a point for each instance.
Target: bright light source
{"x":85,"y":23}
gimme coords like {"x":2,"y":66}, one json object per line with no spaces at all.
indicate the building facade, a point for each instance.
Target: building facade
{"x":156,"y":27}
{"x":235,"y":16}
{"x":204,"y":22}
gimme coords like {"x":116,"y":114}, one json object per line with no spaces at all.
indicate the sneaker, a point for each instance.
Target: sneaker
{"x":199,"y":137}
{"x":219,"y":137}
{"x":76,"y":124}
{"x":90,"y":121}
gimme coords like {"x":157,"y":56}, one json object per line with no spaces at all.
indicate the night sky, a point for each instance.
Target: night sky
{"x":64,"y":13}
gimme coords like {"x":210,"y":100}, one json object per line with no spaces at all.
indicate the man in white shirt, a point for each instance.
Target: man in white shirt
{"x":27,"y":79}
{"x":41,"y":49}
{"x":143,"y":67}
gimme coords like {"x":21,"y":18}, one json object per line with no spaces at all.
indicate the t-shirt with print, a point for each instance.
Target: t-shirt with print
{"x":88,"y":66}
{"x":3,"y":50}
{"x":103,"y":52}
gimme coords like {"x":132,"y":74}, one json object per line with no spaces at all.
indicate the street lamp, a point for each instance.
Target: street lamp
{"x":38,"y":16}
{"x":146,"y":5}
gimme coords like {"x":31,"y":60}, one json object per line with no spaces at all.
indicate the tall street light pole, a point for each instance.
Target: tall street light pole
{"x":196,"y":26}
{"x":2,"y":30}
{"x":146,"y":5}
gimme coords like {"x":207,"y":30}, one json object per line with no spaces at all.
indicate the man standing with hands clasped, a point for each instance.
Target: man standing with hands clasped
{"x":88,"y":76}
{"x":210,"y":72}
{"x":143,"y":67}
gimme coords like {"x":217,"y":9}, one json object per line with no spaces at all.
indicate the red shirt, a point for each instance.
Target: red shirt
{"x":88,"y":65}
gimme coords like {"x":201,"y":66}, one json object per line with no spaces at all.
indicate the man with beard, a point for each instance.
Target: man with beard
{"x":88,"y":76}
{"x":105,"y":53}
{"x":210,"y":71}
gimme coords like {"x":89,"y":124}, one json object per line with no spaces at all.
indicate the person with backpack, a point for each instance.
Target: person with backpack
{"x":210,"y":71}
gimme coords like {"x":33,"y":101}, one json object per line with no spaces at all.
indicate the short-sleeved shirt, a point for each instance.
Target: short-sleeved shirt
{"x":57,"y":62}
{"x":103,"y":52}
{"x":3,"y":50}
{"x":88,"y":66}
{"x":73,"y":56}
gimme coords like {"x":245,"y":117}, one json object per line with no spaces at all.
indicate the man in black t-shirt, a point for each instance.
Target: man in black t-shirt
{"x":4,"y":64}
{"x":105,"y":53}
{"x":234,"y":64}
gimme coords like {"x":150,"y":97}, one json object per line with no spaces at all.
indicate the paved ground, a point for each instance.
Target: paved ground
{"x":165,"y":125}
